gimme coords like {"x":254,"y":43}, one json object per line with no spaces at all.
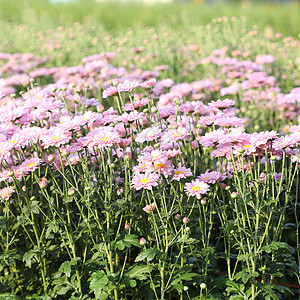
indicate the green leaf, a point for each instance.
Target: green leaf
{"x":35,"y":207}
{"x":2,"y":222}
{"x":188,"y":276}
{"x":138,"y":272}
{"x":29,"y":256}
{"x":65,"y":268}
{"x":132,"y":239}
{"x":148,"y":253}
{"x":63,"y":290}
{"x":245,"y":276}
{"x":120,"y":245}
{"x":99,"y":281}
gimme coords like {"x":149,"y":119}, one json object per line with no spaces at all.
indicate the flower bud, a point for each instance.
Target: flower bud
{"x":43,"y":183}
{"x":233,"y":195}
{"x":195,"y":145}
{"x":65,"y":152}
{"x":185,"y":220}
{"x":143,"y":241}
{"x":177,"y":217}
{"x":127,"y":226}
{"x":203,"y":285}
{"x":51,"y":158}
{"x":71,"y":192}
{"x":153,"y":109}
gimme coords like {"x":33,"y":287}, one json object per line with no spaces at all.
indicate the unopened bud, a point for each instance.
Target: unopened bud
{"x":185,"y":220}
{"x":71,"y":192}
{"x":143,"y":241}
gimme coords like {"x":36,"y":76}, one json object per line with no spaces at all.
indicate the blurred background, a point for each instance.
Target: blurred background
{"x":117,"y":15}
{"x":65,"y":31}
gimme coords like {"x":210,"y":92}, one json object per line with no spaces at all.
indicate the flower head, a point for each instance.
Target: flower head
{"x":196,"y":188}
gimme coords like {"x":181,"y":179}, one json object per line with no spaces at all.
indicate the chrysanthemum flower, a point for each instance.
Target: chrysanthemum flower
{"x":182,"y":172}
{"x":128,"y":86}
{"x":145,"y":181}
{"x":6,"y":192}
{"x":29,"y":165}
{"x":212,"y":177}
{"x":196,"y":188}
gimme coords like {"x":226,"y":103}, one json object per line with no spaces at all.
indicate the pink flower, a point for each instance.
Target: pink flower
{"x":220,"y":104}
{"x":145,"y":181}
{"x":29,"y":165}
{"x":148,"y":208}
{"x":128,"y":86}
{"x":6,"y":192}
{"x":148,"y":84}
{"x":55,"y":137}
{"x":284,"y":142}
{"x":102,"y":137}
{"x":212,"y":177}
{"x":111,"y":91}
{"x":195,"y":145}
{"x":182,"y":172}
{"x":229,"y":122}
{"x":148,"y":134}
{"x":131,"y":117}
{"x":174,"y":135}
{"x":196,"y":188}
{"x":5,"y":148}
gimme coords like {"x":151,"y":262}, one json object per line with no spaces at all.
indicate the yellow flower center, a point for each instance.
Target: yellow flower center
{"x":13,"y":142}
{"x":206,"y":178}
{"x":178,"y":172}
{"x":196,"y":188}
{"x":105,"y":139}
{"x":31,"y":165}
{"x":175,"y":134}
{"x":247,"y":146}
{"x":145,"y":180}
{"x":55,"y":138}
{"x":159,"y":165}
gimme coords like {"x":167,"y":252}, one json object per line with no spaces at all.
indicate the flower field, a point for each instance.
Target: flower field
{"x":150,"y":165}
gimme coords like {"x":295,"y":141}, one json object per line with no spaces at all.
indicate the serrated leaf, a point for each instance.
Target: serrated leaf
{"x":63,"y":290}
{"x":34,"y":207}
{"x":148,"y":253}
{"x":28,"y":257}
{"x":138,"y":272}
{"x":65,"y":268}
{"x":188,"y":276}
{"x":120,"y":245}
{"x":99,"y":281}
{"x":132,"y":239}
